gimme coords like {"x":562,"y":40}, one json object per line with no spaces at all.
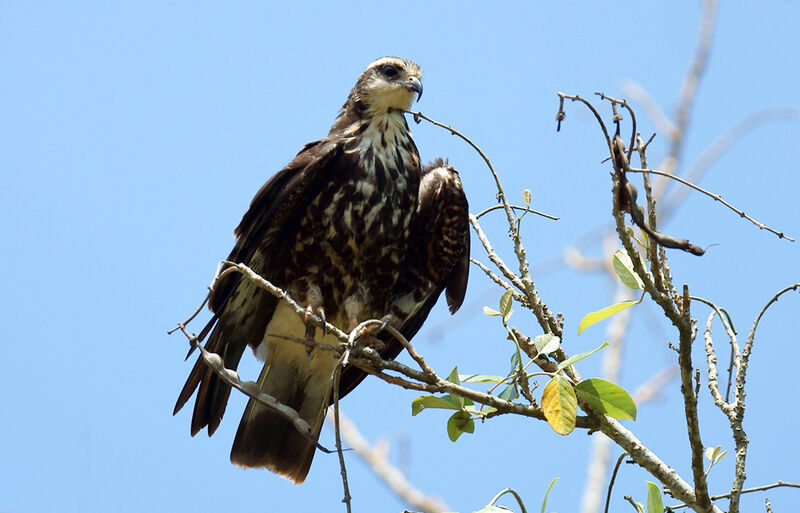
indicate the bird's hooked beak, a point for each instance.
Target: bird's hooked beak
{"x":415,"y":85}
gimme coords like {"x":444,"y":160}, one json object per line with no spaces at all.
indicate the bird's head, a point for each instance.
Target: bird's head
{"x":389,"y":83}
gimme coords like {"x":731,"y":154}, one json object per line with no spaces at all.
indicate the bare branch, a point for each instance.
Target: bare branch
{"x":613,"y":478}
{"x":546,"y":319}
{"x":516,"y":207}
{"x":494,"y":257}
{"x":337,"y":373}
{"x":647,"y":459}
{"x":739,"y":435}
{"x":251,"y":389}
{"x":715,"y":197}
{"x":512,"y":492}
{"x":711,"y":356}
{"x":719,"y":147}
{"x":748,"y":346}
{"x":498,"y":280}
{"x":777,"y":484}
{"x":690,"y":404}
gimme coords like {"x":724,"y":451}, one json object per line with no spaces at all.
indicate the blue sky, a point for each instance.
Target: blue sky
{"x":133,"y":136}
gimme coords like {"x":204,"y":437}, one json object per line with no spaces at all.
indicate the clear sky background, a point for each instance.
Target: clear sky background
{"x":133,"y":136}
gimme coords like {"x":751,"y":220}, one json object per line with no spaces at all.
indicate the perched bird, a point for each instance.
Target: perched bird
{"x":353,"y":229}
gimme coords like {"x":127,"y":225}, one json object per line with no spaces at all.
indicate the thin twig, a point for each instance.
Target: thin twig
{"x":337,"y":373}
{"x":711,"y":356}
{"x":500,"y":281}
{"x":715,"y":197}
{"x":739,"y":435}
{"x":613,"y":478}
{"x":516,"y":207}
{"x":494,"y":257}
{"x":749,"y":490}
{"x":643,"y":456}
{"x":720,"y":146}
{"x":633,"y":503}
{"x":512,"y":492}
{"x":624,"y":103}
{"x":411,"y":351}
{"x":548,"y":322}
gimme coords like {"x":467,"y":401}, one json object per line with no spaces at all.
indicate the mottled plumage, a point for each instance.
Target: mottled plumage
{"x":437,"y":259}
{"x":341,"y":229}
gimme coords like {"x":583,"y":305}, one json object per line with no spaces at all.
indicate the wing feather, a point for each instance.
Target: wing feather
{"x":242,"y":311}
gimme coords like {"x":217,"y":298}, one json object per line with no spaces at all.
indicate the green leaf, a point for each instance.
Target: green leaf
{"x":505,"y":303}
{"x":509,"y":393}
{"x":623,"y":266}
{"x":459,"y":422}
{"x":480,"y":378}
{"x":633,"y":236}
{"x":547,"y":343}
{"x":599,"y":315}
{"x":453,"y":377}
{"x":580,"y":356}
{"x":639,"y":507}
{"x":606,"y":397}
{"x":447,"y":402}
{"x":560,"y":405}
{"x":544,"y":501}
{"x":654,"y":502}
{"x":713,"y":455}
{"x":491,"y":312}
{"x":515,"y":363}
{"x":526,"y":197}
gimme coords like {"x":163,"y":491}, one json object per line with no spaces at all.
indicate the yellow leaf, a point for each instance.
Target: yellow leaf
{"x":560,"y":405}
{"x":599,"y":315}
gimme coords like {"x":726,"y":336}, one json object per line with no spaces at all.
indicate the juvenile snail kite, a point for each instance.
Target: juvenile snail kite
{"x":353,"y":229}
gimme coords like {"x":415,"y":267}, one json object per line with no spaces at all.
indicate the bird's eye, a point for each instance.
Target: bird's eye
{"x":389,"y":70}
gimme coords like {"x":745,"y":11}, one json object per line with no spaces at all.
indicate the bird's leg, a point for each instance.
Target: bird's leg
{"x":308,"y":318}
{"x":311,"y":328}
{"x":314,"y":306}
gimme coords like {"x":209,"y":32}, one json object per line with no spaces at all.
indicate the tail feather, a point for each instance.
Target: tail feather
{"x":200,"y":369}
{"x":266,"y":439}
{"x":213,"y":393}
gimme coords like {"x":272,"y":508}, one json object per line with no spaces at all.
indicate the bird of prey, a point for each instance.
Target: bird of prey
{"x":353,"y":229}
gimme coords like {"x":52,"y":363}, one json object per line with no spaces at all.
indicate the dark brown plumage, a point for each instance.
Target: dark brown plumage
{"x":437,"y":259}
{"x":341,"y":229}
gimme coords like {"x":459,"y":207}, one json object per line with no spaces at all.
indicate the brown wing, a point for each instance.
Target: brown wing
{"x":437,"y":259}
{"x":241,"y":310}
